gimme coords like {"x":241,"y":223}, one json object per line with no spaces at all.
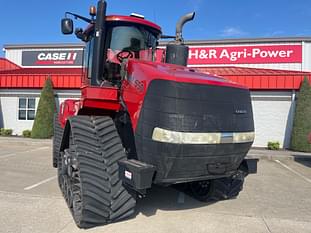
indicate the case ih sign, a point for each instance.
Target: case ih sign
{"x":52,"y":58}
{"x":245,"y":54}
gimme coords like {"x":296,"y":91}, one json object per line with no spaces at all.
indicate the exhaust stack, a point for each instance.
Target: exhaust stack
{"x":177,"y":52}
{"x":179,"y":26}
{"x":100,"y":35}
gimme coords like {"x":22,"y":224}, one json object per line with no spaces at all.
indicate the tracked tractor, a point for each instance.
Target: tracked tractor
{"x":145,"y":120}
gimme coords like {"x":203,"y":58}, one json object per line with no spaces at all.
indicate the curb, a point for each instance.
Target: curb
{"x":25,"y":141}
{"x":253,"y":153}
{"x":272,"y":155}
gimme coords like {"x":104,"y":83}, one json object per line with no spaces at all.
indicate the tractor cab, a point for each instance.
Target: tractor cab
{"x":124,"y":39}
{"x":130,"y":40}
{"x":119,"y":38}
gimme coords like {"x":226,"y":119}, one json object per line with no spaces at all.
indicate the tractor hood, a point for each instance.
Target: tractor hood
{"x":147,"y":71}
{"x":179,"y":80}
{"x":172,"y":108}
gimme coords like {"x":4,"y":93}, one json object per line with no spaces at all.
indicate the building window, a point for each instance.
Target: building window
{"x":26,"y":108}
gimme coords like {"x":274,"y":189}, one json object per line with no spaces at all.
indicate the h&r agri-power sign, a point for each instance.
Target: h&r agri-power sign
{"x":52,"y":58}
{"x":245,"y":54}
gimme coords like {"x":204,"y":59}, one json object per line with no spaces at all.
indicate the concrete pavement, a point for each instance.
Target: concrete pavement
{"x":277,"y":199}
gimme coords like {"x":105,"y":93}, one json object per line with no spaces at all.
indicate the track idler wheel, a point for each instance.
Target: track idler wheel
{"x":217,"y":189}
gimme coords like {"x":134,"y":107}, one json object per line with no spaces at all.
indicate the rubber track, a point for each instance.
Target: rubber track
{"x":99,"y":149}
{"x":226,"y":188}
{"x":58,"y":133}
{"x":222,"y":189}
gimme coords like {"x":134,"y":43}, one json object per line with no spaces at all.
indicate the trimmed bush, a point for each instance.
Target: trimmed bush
{"x":6,"y":132}
{"x":302,"y":120}
{"x":43,"y":124}
{"x":273,"y":145}
{"x":27,"y":133}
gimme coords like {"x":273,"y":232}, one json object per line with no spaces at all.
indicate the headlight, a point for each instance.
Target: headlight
{"x":163,"y":135}
{"x":243,"y":137}
{"x":168,"y":136}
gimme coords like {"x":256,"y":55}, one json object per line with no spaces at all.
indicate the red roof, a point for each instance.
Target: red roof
{"x":63,"y":78}
{"x":13,"y":76}
{"x":255,"y":78}
{"x":43,"y":71}
{"x":7,"y":65}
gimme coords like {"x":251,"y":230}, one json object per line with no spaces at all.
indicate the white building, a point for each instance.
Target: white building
{"x":272,"y":68}
{"x":22,"y":75}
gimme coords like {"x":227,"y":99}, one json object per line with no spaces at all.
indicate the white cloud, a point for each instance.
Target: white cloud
{"x":278,"y":32}
{"x":232,"y":32}
{"x":275,"y":33}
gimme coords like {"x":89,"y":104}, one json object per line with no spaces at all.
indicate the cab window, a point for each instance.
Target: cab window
{"x":136,"y":39}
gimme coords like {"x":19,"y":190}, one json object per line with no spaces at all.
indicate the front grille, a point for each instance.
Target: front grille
{"x":190,"y":107}
{"x":186,"y":107}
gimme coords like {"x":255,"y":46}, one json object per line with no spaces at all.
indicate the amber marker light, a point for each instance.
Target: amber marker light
{"x":92,"y":10}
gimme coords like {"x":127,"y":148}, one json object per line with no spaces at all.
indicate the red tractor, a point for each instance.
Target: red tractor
{"x":140,"y":122}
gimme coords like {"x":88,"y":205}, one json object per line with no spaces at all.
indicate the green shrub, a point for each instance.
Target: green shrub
{"x":27,"y":133}
{"x":43,"y":124}
{"x":273,"y":145}
{"x":6,"y":132}
{"x":302,"y":119}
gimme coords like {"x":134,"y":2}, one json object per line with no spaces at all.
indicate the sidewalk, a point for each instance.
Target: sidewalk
{"x":261,"y":153}
{"x":24,"y":141}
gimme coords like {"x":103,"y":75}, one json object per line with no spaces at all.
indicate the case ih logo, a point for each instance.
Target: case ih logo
{"x":57,"y":58}
{"x":52,"y":58}
{"x":245,"y":54}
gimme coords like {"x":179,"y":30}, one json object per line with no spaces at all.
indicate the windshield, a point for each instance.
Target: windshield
{"x":137,"y":40}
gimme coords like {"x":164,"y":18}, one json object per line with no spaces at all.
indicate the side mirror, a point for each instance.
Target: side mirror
{"x":67,"y":26}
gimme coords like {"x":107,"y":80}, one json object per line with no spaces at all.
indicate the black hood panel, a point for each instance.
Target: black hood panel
{"x":186,"y":107}
{"x":190,"y":107}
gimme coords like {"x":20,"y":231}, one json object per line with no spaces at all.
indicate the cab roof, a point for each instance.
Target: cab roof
{"x":133,"y":19}
{"x":130,"y":19}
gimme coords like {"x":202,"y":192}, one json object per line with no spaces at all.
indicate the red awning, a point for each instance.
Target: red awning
{"x":7,"y":65}
{"x":254,"y":78}
{"x":13,"y":76}
{"x":63,"y":78}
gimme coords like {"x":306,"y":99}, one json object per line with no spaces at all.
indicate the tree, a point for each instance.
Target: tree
{"x":302,"y":119}
{"x":43,"y":124}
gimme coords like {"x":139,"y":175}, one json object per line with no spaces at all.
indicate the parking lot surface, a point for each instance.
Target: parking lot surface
{"x":277,"y":199}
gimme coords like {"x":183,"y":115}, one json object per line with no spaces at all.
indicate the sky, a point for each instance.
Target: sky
{"x":29,"y":22}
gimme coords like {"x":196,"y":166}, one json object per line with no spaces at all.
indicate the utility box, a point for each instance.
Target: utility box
{"x":136,"y":174}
